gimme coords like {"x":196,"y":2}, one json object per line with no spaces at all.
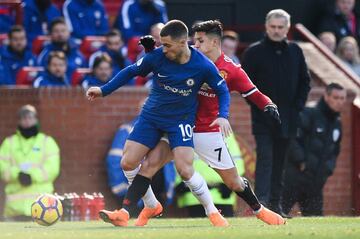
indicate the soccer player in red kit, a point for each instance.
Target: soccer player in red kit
{"x":208,"y":140}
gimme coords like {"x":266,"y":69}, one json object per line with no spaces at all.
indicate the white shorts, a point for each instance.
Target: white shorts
{"x":211,"y":148}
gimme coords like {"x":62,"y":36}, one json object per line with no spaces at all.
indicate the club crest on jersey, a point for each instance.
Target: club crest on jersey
{"x":223,"y":74}
{"x":190,"y":82}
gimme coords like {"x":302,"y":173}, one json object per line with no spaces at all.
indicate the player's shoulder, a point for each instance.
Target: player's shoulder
{"x":226,"y":63}
{"x":156,"y":52}
{"x":150,"y":57}
{"x":229,"y":62}
{"x":200,"y":59}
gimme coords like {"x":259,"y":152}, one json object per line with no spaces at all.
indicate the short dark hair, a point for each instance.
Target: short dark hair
{"x":15,"y":28}
{"x":213,"y":27}
{"x":232,"y":35}
{"x":113,"y":32}
{"x":333,"y":86}
{"x":56,"y":21}
{"x":56,"y":54}
{"x":175,"y":29}
{"x":103,"y":57}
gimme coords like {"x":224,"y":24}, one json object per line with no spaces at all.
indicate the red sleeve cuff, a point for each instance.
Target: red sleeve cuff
{"x":259,"y":99}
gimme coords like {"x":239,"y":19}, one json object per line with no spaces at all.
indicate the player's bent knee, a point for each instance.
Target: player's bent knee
{"x":185,"y":176}
{"x":127,"y":165}
{"x":185,"y":172}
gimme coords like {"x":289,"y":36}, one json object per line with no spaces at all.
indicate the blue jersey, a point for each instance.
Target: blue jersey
{"x":175,"y":86}
{"x":134,"y":19}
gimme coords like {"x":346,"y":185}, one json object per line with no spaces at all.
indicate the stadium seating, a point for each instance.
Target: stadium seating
{"x":38,"y":44}
{"x":27,"y":74}
{"x":78,"y":75}
{"x":90,"y":44}
{"x":15,"y":9}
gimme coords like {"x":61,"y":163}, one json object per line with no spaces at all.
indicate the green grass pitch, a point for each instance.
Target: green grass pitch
{"x":247,"y":228}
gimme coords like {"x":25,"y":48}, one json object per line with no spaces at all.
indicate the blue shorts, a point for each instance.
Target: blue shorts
{"x":148,"y":132}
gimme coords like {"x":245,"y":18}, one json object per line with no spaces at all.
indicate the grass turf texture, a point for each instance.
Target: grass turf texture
{"x":248,"y":228}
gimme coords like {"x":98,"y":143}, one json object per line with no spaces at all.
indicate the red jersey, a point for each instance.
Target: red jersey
{"x":237,"y":80}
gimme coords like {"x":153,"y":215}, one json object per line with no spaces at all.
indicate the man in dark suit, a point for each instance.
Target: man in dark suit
{"x":277,"y":67}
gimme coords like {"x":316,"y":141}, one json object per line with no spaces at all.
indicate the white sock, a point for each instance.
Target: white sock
{"x":130,"y":175}
{"x":201,"y":191}
{"x":149,"y":198}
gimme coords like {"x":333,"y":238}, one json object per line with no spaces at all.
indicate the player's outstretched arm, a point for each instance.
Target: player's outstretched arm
{"x":224,"y":125}
{"x":93,"y":92}
{"x":142,"y":67}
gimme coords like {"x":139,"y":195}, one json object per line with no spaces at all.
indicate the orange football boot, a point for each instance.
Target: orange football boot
{"x":148,"y":213}
{"x":118,"y":218}
{"x":270,"y":217}
{"x":217,"y":220}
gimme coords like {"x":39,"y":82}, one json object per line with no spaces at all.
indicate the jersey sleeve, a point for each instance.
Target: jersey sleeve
{"x":218,"y":84}
{"x":142,"y":67}
{"x":242,"y":84}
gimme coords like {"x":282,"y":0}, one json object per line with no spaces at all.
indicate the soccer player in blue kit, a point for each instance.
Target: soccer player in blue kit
{"x":171,"y":107}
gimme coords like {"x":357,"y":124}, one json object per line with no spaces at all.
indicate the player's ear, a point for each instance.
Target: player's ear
{"x":183,"y":41}
{"x":216,"y":41}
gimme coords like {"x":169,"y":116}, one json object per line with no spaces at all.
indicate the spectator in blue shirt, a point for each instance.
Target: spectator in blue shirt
{"x":61,"y":41}
{"x":55,"y":73}
{"x":37,"y":16}
{"x":115,"y":48}
{"x":136,"y":17}
{"x":101,"y":71}
{"x":86,"y":18}
{"x":15,"y":55}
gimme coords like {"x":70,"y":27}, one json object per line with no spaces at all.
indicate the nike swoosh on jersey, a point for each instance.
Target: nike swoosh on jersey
{"x":186,"y":139}
{"x":159,"y":75}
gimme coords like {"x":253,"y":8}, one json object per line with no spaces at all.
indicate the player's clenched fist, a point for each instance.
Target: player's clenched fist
{"x":93,"y":93}
{"x":148,"y":42}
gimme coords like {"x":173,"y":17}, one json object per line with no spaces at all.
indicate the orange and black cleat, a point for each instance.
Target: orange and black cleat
{"x":148,"y":213}
{"x":119,"y":218}
{"x":217,"y":220}
{"x":270,"y":217}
